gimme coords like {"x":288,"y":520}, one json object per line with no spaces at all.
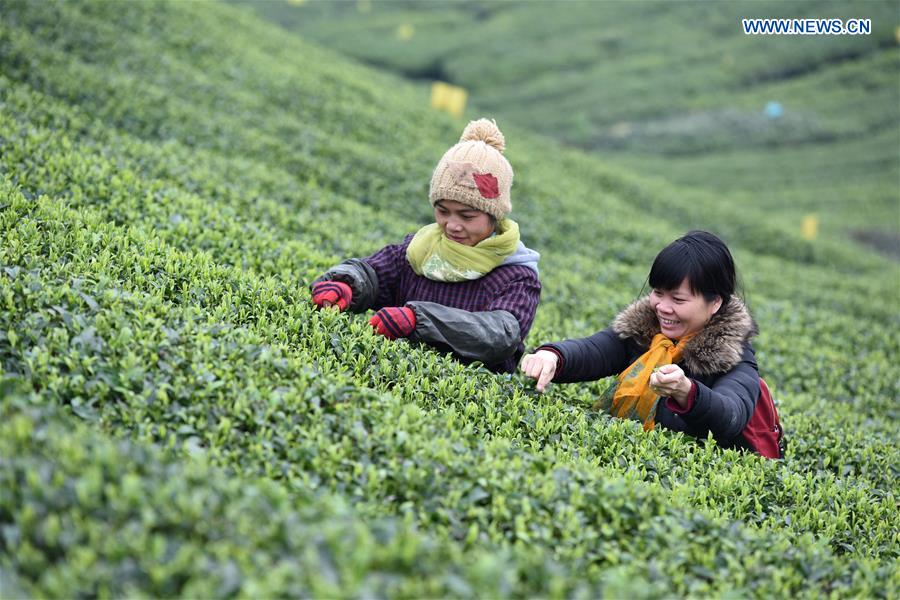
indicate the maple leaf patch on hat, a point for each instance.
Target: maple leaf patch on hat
{"x":487,"y":184}
{"x":464,"y":174}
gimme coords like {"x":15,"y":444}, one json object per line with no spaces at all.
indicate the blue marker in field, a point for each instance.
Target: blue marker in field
{"x":774,"y":110}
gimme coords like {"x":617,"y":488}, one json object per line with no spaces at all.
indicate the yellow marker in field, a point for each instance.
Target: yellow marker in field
{"x":296,"y":2}
{"x":405,"y":32}
{"x":897,"y":34}
{"x":810,"y":227}
{"x":449,"y":98}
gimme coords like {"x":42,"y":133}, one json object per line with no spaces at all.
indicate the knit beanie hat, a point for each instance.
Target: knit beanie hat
{"x":474,"y":171}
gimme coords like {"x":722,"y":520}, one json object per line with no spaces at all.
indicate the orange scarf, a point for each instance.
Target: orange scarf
{"x":632,"y":396}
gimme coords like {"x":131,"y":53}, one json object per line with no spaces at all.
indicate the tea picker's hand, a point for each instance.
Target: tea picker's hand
{"x":541,"y":366}
{"x":669,"y":381}
{"x":326,"y":294}
{"x":394,"y":322}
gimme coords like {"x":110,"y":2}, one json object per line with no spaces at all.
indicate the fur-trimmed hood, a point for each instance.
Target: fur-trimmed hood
{"x":715,"y":349}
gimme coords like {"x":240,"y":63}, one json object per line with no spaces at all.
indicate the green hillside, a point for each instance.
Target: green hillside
{"x":176,"y":419}
{"x":667,"y":89}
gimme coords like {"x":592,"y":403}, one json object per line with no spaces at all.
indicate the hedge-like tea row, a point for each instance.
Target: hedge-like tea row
{"x":95,"y":516}
{"x":218,"y":388}
{"x":155,"y":264}
{"x":483,"y":412}
{"x":831,"y":152}
{"x":327,"y":126}
{"x":552,"y":69}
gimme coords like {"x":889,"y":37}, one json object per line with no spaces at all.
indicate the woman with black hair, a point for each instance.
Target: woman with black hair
{"x":682,"y":353}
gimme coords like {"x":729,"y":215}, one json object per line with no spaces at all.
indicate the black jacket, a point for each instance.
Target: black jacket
{"x":719,"y":359}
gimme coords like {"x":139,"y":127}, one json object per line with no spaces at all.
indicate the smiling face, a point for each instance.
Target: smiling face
{"x":681,"y":311}
{"x":461,"y":223}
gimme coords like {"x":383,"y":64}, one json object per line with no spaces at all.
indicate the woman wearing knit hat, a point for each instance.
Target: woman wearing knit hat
{"x":464,"y":284}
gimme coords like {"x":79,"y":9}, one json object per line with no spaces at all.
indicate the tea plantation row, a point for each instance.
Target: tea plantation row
{"x":156,"y":256}
{"x":216,"y":388}
{"x":670,"y":90}
{"x":687,"y":79}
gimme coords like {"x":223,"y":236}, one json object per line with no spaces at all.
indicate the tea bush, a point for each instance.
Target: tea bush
{"x":97,"y":516}
{"x":163,"y":211}
{"x":671,"y":90}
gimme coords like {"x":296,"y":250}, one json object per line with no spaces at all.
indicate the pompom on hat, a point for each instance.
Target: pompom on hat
{"x":475,"y":172}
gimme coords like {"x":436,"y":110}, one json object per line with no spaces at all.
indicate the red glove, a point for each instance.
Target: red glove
{"x":335,"y":292}
{"x":394,"y":322}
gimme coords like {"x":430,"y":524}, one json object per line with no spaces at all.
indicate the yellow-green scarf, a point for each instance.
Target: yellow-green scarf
{"x":434,"y":256}
{"x":631,"y":397}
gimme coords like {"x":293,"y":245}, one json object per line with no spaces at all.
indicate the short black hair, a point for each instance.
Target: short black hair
{"x":701,"y":258}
